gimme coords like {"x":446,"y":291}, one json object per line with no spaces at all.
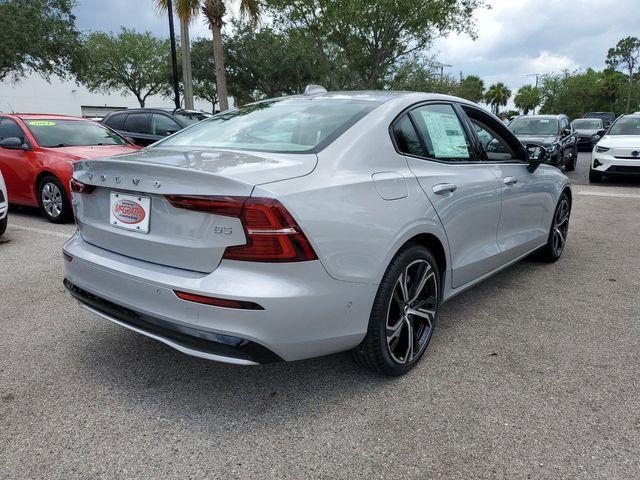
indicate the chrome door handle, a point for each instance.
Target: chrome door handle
{"x":510,"y":180}
{"x":443,"y":188}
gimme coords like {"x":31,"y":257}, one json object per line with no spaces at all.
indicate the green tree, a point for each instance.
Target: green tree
{"x":214,"y":11}
{"x":527,"y":98}
{"x":187,"y":10}
{"x":626,"y":54}
{"x":204,"y":80}
{"x":373,"y":37}
{"x":129,"y":62}
{"x":37,"y":36}
{"x":497,"y":96}
{"x":419,"y":76}
{"x":471,"y":87}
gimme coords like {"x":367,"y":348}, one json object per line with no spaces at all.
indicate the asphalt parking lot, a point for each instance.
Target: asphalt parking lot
{"x":532,"y":374}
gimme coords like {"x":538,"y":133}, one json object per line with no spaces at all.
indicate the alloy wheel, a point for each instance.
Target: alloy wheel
{"x":412,"y":311}
{"x":561,"y":226}
{"x":51,"y":199}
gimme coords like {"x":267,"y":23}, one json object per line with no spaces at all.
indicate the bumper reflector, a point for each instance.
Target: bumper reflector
{"x":218,"y":302}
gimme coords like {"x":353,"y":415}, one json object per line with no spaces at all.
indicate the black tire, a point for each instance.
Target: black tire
{"x":559,"y":226}
{"x":571,"y":164}
{"x":3,"y":224}
{"x":595,"y":176}
{"x":376,"y":352}
{"x":60,"y":211}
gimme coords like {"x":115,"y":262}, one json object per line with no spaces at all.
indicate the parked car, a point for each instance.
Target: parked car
{"x":308,"y":225}
{"x":4,"y":206}
{"x":618,"y":152}
{"x":553,"y":133}
{"x":589,"y":132}
{"x":37,"y":152}
{"x":607,"y":117}
{"x":145,"y":126}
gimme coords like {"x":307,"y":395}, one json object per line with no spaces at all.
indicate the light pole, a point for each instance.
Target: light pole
{"x":174,"y":59}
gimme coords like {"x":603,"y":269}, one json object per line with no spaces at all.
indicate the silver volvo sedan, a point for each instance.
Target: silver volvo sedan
{"x":307,"y":225}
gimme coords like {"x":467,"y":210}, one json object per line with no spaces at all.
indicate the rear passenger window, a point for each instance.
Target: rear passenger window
{"x":116,"y":121}
{"x":406,"y":137}
{"x":138,"y":123}
{"x":442,"y":132}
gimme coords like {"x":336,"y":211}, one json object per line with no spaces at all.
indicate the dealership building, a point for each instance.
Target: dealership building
{"x":34,"y":94}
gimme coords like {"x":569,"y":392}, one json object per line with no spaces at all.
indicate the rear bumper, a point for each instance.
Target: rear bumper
{"x":306,"y":312}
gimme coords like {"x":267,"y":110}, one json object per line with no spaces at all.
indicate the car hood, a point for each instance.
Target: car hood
{"x":87,"y":153}
{"x":249,"y":167}
{"x":543,"y":140}
{"x":620,"y":141}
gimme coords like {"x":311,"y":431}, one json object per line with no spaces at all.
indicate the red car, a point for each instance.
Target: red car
{"x":37,"y":153}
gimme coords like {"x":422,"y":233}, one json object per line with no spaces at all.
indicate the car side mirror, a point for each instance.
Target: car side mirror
{"x":170,"y":131}
{"x":602,"y":131}
{"x":535,"y":156}
{"x":14,"y":143}
{"x":566,"y":131}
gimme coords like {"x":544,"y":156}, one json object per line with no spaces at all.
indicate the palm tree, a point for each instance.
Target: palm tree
{"x":527,"y":99}
{"x":497,"y":96}
{"x":215,"y":10}
{"x":187,"y":10}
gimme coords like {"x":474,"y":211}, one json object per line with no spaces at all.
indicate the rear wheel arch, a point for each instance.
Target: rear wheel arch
{"x":434,"y":245}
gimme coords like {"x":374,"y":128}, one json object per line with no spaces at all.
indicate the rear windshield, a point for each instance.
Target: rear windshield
{"x":294,"y":125}
{"x":587,"y":124}
{"x":534,"y":126}
{"x":626,"y":126}
{"x":72,"y":133}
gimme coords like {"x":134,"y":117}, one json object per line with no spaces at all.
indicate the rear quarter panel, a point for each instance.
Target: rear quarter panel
{"x":354,"y":231}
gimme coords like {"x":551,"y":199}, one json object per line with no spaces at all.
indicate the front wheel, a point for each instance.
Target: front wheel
{"x":53,"y":200}
{"x":557,"y":239}
{"x":3,"y":224}
{"x":404,"y":314}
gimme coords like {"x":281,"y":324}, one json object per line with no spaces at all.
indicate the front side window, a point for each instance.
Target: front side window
{"x":442,"y":132}
{"x":534,"y":126}
{"x":495,"y":147}
{"x":292,"y":125}
{"x":163,"y":125}
{"x":626,"y":126}
{"x":10,"y":129}
{"x":72,"y":133}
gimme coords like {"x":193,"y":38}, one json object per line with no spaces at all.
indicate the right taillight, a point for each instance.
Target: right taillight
{"x":79,"y":187}
{"x":272,"y":233}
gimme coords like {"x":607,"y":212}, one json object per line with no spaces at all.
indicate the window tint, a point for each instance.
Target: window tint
{"x":161,"y":124}
{"x":442,"y":132}
{"x":9,"y":128}
{"x":116,"y":121}
{"x":138,"y":123}
{"x":406,"y":137}
{"x":626,"y":126}
{"x":534,"y":126}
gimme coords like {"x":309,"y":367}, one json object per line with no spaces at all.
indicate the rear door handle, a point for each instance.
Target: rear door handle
{"x":510,"y":180}
{"x":442,"y":188}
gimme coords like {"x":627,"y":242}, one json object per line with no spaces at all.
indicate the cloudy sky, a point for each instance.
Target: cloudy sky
{"x":516,"y":38}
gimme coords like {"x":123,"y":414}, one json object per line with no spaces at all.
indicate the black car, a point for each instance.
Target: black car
{"x":589,"y":132}
{"x":607,"y":117}
{"x":553,"y":133}
{"x":145,"y":126}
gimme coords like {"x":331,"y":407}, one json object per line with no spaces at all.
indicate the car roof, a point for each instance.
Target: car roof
{"x":36,"y":116}
{"x":156,"y":109}
{"x":543,"y":116}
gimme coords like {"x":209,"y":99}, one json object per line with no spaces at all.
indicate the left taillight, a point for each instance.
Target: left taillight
{"x":79,"y":187}
{"x":272,"y":234}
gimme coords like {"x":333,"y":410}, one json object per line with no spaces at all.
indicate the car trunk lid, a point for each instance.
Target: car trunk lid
{"x":176,"y":237}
